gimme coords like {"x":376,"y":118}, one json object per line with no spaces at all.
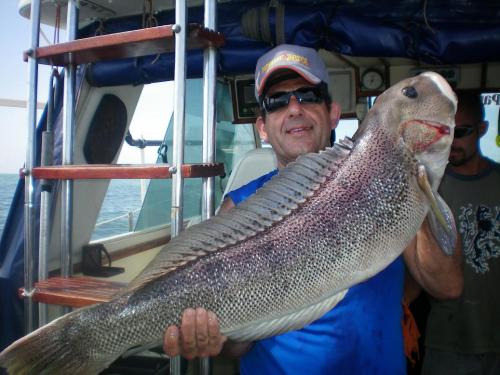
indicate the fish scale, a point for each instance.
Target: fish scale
{"x":282,"y":258}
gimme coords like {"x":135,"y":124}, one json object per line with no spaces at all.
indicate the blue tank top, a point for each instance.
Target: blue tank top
{"x":361,"y":335}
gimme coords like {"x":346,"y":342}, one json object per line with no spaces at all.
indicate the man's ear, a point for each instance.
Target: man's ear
{"x":335,"y":111}
{"x":261,"y":128}
{"x":483,"y":128}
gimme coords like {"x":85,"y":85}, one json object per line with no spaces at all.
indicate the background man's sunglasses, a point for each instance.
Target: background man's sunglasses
{"x":462,"y":131}
{"x":278,"y":100}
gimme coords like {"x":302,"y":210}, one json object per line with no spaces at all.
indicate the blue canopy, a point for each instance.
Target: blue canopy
{"x":439,"y":32}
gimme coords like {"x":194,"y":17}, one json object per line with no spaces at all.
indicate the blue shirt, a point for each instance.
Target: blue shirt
{"x":361,"y":335}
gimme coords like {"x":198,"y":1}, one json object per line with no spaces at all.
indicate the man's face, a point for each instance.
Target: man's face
{"x":297,"y":128}
{"x":465,"y":148}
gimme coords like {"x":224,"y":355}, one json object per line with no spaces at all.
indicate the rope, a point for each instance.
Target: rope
{"x":100,"y":30}
{"x":425,"y":18}
{"x":116,"y":218}
{"x":149,"y":20}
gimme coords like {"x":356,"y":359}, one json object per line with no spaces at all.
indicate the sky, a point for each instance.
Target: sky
{"x":14,"y":39}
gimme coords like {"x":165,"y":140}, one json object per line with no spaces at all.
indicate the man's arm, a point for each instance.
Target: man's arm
{"x":199,"y":334}
{"x":226,"y":205}
{"x":439,"y":274}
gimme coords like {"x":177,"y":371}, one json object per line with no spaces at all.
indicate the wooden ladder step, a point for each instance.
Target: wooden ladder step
{"x":75,"y":291}
{"x":124,"y":171}
{"x":135,"y":43}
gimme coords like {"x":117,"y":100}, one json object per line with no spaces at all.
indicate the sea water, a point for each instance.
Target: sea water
{"x":8,"y":183}
{"x":118,"y":214}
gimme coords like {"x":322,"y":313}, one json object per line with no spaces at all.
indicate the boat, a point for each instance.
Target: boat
{"x":209,"y":49}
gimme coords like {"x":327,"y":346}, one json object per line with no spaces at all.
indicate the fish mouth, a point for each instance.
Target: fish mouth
{"x":421,"y":134}
{"x":440,"y":127}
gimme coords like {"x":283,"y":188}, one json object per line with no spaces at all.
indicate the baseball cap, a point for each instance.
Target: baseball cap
{"x":304,"y":61}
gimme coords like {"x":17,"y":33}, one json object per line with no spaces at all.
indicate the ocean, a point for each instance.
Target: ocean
{"x":120,"y":209}
{"x":8,"y":183}
{"x":118,"y":214}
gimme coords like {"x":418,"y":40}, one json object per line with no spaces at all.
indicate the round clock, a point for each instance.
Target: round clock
{"x":372,"y":79}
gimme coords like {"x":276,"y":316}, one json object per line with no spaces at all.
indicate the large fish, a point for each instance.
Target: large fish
{"x":289,"y":253}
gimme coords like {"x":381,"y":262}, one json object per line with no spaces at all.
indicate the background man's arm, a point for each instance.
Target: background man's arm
{"x":439,"y":274}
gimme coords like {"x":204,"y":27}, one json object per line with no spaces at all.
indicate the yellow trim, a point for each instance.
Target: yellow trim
{"x":285,"y":57}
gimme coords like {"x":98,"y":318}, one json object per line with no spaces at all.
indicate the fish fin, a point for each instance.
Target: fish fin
{"x":284,"y":193}
{"x":47,"y":351}
{"x":289,"y":322}
{"x":445,"y":236}
{"x":139,"y":349}
{"x":441,"y":219}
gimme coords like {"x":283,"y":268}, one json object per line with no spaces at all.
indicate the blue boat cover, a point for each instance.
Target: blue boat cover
{"x":439,"y":32}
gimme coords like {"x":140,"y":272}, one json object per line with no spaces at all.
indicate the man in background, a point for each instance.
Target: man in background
{"x":463,"y":335}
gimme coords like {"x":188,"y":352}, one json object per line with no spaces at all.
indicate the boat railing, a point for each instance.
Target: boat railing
{"x":129,"y":215}
{"x":143,"y":42}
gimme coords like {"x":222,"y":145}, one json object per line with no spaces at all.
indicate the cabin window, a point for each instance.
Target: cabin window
{"x":232,"y":142}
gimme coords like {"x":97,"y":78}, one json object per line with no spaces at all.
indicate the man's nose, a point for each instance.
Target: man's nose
{"x":294,"y":107}
{"x":454,"y":142}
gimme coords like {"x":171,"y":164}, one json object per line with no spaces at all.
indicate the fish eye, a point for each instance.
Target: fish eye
{"x":410,"y":92}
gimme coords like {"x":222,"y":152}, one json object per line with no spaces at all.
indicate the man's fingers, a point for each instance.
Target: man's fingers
{"x":202,"y":331}
{"x":198,"y":336}
{"x":216,"y":340}
{"x":213,"y":327}
{"x":188,"y":334}
{"x":171,"y":341}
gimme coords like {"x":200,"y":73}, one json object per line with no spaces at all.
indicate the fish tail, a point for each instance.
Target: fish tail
{"x":50,"y":350}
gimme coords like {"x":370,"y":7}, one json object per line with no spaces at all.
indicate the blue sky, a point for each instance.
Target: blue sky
{"x":14,"y":39}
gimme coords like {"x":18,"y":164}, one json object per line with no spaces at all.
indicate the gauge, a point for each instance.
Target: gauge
{"x":372,"y":79}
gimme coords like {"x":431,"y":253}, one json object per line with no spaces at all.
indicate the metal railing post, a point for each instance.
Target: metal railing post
{"x":29,"y":194}
{"x":178,"y":132}
{"x":46,"y":197}
{"x":209,"y":110}
{"x":209,"y":122}
{"x":130,"y":216}
{"x":67,"y":157}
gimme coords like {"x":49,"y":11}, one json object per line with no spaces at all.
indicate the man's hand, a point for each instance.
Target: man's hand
{"x":199,"y":335}
{"x":440,"y":275}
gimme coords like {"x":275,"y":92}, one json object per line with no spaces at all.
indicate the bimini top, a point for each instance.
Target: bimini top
{"x":431,"y":32}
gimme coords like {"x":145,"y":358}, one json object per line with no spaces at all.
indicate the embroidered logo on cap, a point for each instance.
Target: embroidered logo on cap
{"x":285,"y":57}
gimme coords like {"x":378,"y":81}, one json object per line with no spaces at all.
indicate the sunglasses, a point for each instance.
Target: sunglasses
{"x":304,"y":95}
{"x":463,"y":131}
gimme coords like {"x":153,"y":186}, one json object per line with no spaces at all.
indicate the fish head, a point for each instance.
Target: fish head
{"x":420,"y":112}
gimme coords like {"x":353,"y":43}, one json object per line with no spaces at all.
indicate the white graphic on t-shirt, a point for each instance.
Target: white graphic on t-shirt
{"x":480,"y":230}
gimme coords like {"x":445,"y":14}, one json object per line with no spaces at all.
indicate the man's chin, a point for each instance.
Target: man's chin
{"x":456,"y":157}
{"x":300,"y":144}
{"x":456,"y":161}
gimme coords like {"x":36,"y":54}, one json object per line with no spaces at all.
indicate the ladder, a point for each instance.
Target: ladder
{"x":82,"y":291}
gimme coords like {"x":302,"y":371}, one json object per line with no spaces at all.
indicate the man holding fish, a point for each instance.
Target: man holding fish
{"x":305,"y":273}
{"x":362,"y":333}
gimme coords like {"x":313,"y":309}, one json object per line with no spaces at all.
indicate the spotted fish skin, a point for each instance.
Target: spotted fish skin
{"x":285,"y":256}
